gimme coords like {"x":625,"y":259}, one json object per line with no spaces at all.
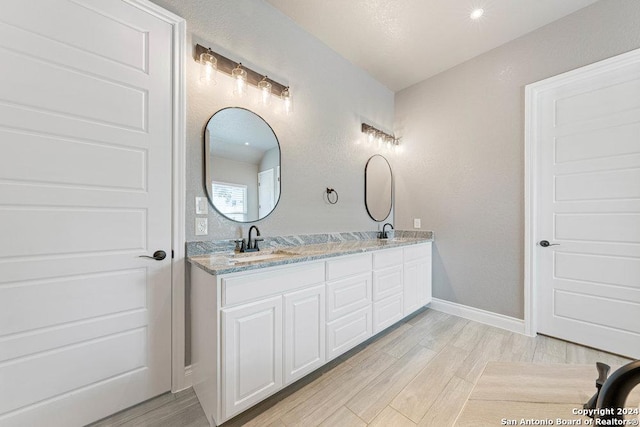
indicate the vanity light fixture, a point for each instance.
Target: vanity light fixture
{"x":208,"y":67}
{"x":265,"y":91}
{"x":376,"y":135}
{"x":288,"y":101}
{"x":243,"y":77}
{"x":240,"y":77}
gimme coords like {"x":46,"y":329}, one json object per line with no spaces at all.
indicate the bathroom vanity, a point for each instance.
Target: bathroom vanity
{"x":260,"y":323}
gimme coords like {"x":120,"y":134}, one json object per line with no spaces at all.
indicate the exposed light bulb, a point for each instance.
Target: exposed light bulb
{"x":240,"y":77}
{"x":265,"y":91}
{"x":287,"y":100}
{"x":208,"y":67}
{"x":477,"y":13}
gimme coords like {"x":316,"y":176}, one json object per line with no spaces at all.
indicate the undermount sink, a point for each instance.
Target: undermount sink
{"x":244,"y":258}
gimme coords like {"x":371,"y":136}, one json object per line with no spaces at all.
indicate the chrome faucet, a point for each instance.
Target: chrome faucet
{"x":612,"y":392}
{"x":383,"y":234}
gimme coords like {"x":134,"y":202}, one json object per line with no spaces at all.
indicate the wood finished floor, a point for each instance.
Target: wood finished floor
{"x":418,"y":373}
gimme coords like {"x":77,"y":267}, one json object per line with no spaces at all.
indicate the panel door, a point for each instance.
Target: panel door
{"x":304,"y":332}
{"x":251,"y":353}
{"x":588,"y":169}
{"x":85,"y":189}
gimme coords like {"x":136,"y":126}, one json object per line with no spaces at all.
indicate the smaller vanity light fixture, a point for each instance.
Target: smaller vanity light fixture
{"x":208,"y":67}
{"x":244,"y":77}
{"x":381,"y":138}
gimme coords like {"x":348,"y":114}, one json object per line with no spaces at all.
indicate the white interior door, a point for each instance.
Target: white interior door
{"x":588,"y":180}
{"x":266,"y":192}
{"x":85,"y":189}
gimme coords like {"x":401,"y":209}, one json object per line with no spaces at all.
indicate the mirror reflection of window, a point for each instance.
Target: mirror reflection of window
{"x":230,"y":200}
{"x":243,"y":149}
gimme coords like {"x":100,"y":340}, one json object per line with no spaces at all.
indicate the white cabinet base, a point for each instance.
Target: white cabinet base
{"x":255,"y":332}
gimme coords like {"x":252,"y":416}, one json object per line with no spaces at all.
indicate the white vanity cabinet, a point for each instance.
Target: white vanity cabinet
{"x":255,"y":332}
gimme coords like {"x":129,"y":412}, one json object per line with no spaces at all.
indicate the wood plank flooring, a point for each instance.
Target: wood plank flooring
{"x":418,"y":373}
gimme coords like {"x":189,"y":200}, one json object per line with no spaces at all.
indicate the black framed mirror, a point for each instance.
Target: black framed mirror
{"x":242,"y":165}
{"x":378,"y":188}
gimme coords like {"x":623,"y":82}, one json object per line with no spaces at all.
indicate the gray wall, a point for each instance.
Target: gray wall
{"x":463,"y":162}
{"x":319,"y":141}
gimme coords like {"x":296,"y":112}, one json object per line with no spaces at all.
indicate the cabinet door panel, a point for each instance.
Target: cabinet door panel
{"x":348,"y":331}
{"x":346,"y":295}
{"x":304,"y":332}
{"x":387,"y":312}
{"x":412,"y":283}
{"x":387,"y":282}
{"x":252,"y":353}
{"x":424,"y":290}
{"x":348,"y":265}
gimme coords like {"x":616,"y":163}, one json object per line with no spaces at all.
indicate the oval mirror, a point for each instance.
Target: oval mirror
{"x":242,"y":165}
{"x":378,"y":188}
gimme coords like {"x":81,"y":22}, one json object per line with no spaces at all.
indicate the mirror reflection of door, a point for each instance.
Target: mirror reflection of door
{"x":242,"y":165}
{"x":265,"y":192}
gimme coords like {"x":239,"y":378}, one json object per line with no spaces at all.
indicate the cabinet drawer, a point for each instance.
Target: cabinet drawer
{"x":387,"y":258}
{"x":348,"y":331}
{"x":387,"y":312}
{"x":415,"y":252}
{"x":347,"y":295}
{"x":254,"y":286}
{"x":387,"y":282}
{"x":348,"y":266}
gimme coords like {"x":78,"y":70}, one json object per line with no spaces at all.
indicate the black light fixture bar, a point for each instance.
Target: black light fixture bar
{"x":226,"y":65}
{"x":377,"y":133}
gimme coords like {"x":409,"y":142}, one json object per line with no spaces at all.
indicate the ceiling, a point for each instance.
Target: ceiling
{"x":240,"y":135}
{"x":402,"y":42}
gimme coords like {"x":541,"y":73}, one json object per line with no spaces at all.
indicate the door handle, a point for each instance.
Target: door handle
{"x":157,"y":255}
{"x":545,"y":243}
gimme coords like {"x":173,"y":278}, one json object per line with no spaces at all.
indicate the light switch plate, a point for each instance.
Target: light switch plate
{"x":202,"y":226}
{"x":202,"y":207}
{"x":417,"y":223}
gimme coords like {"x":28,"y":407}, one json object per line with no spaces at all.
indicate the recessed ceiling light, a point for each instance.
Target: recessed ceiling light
{"x":246,"y":143}
{"x":477,"y":13}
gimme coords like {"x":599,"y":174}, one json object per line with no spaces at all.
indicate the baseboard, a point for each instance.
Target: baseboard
{"x":477,"y":315}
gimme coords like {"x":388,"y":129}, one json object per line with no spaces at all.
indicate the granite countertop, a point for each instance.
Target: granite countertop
{"x":229,"y":262}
